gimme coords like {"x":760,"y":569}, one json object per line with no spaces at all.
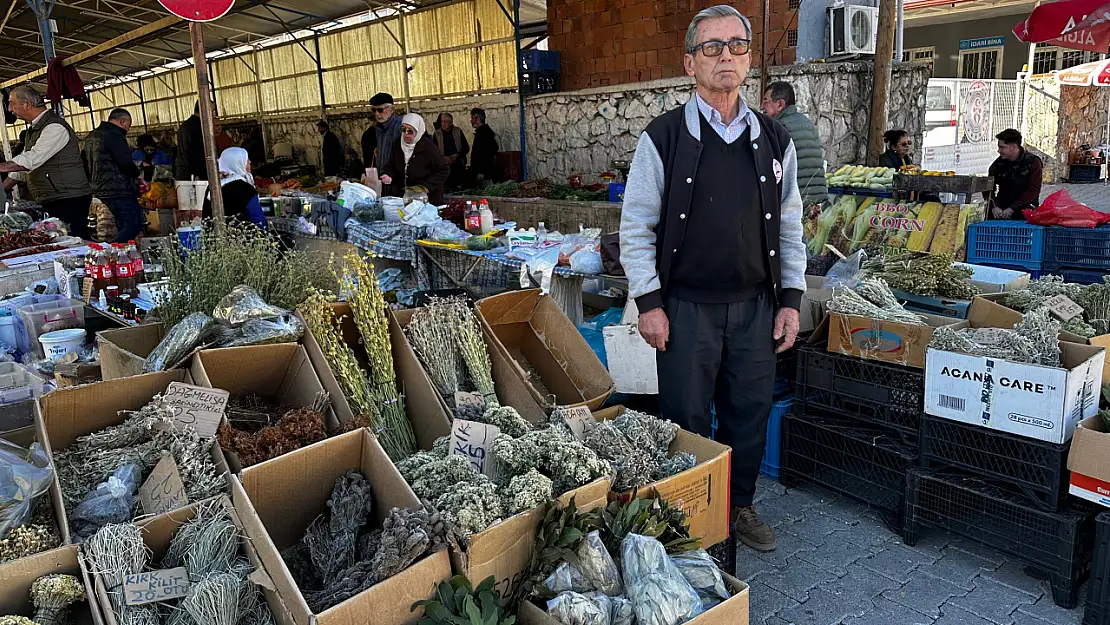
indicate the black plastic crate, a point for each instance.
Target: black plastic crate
{"x":866,"y":463}
{"x":1036,"y":468}
{"x":1098,"y":596}
{"x":1057,"y":543}
{"x":884,"y":394}
{"x":786,"y":368}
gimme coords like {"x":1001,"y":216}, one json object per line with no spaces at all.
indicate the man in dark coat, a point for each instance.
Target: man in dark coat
{"x":332,"y":150}
{"x":780,"y":102}
{"x":114,"y":175}
{"x":189,"y":163}
{"x":379,"y":139}
{"x":452,"y":143}
{"x":483,"y":156}
{"x":1017,"y":175}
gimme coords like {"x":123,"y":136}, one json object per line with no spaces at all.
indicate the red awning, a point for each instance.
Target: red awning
{"x":1076,"y":24}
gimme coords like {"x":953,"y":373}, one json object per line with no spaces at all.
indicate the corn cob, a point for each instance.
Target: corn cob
{"x":930,"y":215}
{"x":944,"y":239}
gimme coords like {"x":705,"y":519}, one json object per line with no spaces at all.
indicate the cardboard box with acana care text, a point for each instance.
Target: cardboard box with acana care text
{"x":1089,"y":461}
{"x":1045,"y":403}
{"x":875,"y":339}
{"x":17,"y":576}
{"x":279,"y":498}
{"x":701,"y":492}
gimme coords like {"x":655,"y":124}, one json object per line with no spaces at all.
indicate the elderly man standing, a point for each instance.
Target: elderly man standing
{"x":779,"y":102}
{"x":711,"y":241}
{"x":378,"y":140}
{"x":114,"y":175}
{"x":50,"y":162}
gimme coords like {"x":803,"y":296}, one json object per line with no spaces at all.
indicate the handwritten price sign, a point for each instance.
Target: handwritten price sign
{"x":163,"y":491}
{"x":201,"y":408}
{"x":1063,"y":308}
{"x":154,"y":586}
{"x":474,"y":441}
{"x":577,"y":419}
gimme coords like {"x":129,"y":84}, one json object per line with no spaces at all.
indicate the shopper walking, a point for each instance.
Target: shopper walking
{"x":711,"y":242}
{"x":452,"y":143}
{"x":780,"y":102}
{"x":114,"y":175}
{"x":50,"y":162}
{"x":379,"y":139}
{"x":483,"y":158}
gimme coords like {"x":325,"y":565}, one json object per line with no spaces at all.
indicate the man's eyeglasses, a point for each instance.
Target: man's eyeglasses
{"x":408,"y":131}
{"x":714,"y":47}
{"x":380,"y":109}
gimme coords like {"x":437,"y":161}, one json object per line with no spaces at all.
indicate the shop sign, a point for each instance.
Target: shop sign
{"x":198,"y":10}
{"x":982,"y":42}
{"x":975,"y":118}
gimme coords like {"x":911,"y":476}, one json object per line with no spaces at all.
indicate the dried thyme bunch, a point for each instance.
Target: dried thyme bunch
{"x":1095,"y":300}
{"x":368,"y":307}
{"x":52,"y":596}
{"x":1041,"y":290}
{"x":568,"y":462}
{"x":1035,"y":340}
{"x":527,"y":491}
{"x":872,"y":299}
{"x":321,"y":321}
{"x":923,"y":274}
{"x":333,"y":542}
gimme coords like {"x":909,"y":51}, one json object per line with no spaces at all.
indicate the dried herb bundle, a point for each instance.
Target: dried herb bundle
{"x":457,"y":603}
{"x":38,"y":534}
{"x":923,"y":274}
{"x":873,"y":299}
{"x":52,"y":596}
{"x":298,"y":428}
{"x":114,"y":552}
{"x":636,"y":444}
{"x":208,"y":543}
{"x":445,"y":334}
{"x":250,"y":413}
{"x":556,"y":453}
{"x":1093,"y":298}
{"x":321,"y":321}
{"x":1035,"y":340}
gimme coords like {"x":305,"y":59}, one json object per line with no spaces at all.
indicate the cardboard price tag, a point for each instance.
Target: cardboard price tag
{"x":474,"y":441}
{"x":201,"y":408}
{"x":1063,"y":308}
{"x":152,"y":586}
{"x":468,"y":403}
{"x":86,"y":290}
{"x":576,"y":418}
{"x":163,"y":490}
{"x":987,"y":336}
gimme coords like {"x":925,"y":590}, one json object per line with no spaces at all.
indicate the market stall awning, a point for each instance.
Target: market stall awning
{"x":1095,"y":73}
{"x":1076,"y":24}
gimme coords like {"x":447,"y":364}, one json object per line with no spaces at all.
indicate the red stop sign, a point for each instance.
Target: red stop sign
{"x":198,"y":10}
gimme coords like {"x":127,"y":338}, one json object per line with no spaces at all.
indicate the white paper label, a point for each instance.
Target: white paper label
{"x":154,"y":586}
{"x":201,"y":408}
{"x":474,"y":441}
{"x":576,"y":419}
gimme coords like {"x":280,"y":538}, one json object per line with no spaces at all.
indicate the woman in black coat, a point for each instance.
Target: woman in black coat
{"x":416,"y":161}
{"x":899,"y":149}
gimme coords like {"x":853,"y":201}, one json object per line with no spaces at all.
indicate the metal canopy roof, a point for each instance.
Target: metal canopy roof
{"x":83,"y":24}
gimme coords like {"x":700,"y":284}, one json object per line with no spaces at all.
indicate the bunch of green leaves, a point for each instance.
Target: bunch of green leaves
{"x":456,"y":602}
{"x":239,"y":254}
{"x":653,"y":517}
{"x":558,"y":539}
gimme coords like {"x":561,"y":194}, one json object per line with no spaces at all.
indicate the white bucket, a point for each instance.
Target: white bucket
{"x":7,"y":331}
{"x":190,"y":194}
{"x":60,"y":342}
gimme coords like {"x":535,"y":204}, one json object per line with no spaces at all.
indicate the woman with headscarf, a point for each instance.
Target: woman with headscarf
{"x":416,"y":161}
{"x":237,"y":186}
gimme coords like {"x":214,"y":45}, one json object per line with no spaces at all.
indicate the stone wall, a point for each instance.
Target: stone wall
{"x":599,"y":125}
{"x":1082,"y":121}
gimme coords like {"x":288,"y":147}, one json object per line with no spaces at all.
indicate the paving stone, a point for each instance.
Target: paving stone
{"x":932,"y":543}
{"x":817,"y":526}
{"x":925,"y":594}
{"x":849,"y":510}
{"x":1016,"y":574}
{"x":764,"y":601}
{"x":897,"y":562}
{"x":959,"y":567}
{"x":774,"y":620}
{"x":993,"y":601}
{"x":788,"y":546}
{"x":766,"y":490}
{"x":823,"y":608}
{"x":1047,"y":610}
{"x":749,"y":565}
{"x":776,"y":516}
{"x":859,"y":586}
{"x":835,"y":555}
{"x":866,"y":533}
{"x":796,"y":579}
{"x":957,"y":616}
{"x":889,"y":613}
{"x":1021,"y":618}
{"x":806,"y":496}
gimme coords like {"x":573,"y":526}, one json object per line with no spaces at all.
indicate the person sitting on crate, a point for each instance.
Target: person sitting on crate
{"x":1017,"y":177}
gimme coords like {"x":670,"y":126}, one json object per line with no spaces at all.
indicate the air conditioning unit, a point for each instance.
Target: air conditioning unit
{"x":852,"y":30}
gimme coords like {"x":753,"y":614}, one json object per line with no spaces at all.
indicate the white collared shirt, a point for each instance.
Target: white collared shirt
{"x":731,"y":132}
{"x":51,"y":141}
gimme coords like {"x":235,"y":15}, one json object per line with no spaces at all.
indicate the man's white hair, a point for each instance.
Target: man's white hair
{"x":721,"y":10}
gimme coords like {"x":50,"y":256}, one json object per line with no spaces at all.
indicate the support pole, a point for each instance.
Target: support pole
{"x":405,"y":61}
{"x":204,"y":95}
{"x":320,"y":77}
{"x":884,"y":52}
{"x":764,"y":75}
{"x":520,"y":92}
{"x":142,"y":104}
{"x":899,"y":45}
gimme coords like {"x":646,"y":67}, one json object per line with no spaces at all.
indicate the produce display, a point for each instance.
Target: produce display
{"x":850,"y":223}
{"x":448,"y":342}
{"x":457,"y":601}
{"x":860,"y":177}
{"x":20,"y":239}
{"x":915,"y":170}
{"x":1093,"y":298}
{"x":255,"y":431}
{"x":37,"y":534}
{"x":1035,"y":340}
{"x":636,"y":444}
{"x":872,"y":298}
{"x":545,"y":188}
{"x":53,"y":597}
{"x":923,"y":274}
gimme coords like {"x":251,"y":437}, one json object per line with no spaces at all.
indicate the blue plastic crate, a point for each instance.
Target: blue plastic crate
{"x":1079,"y":276}
{"x":1084,"y":248}
{"x":1015,"y":244}
{"x":772,"y":453}
{"x":539,"y":60}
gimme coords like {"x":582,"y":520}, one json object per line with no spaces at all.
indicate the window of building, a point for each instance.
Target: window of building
{"x":919,"y":54}
{"x":1049,"y":59}
{"x":794,"y":5}
{"x":792,"y":38}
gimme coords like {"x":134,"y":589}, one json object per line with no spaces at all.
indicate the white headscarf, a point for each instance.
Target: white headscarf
{"x":233,"y":166}
{"x":417,"y":122}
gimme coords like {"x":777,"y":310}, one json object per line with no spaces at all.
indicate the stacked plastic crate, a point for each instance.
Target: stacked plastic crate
{"x":1078,"y":254}
{"x":1007,"y":244}
{"x":854,"y":427}
{"x":1098,"y":596}
{"x":785,"y":368}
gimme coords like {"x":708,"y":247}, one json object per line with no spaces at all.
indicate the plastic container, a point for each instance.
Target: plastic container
{"x":616,"y":192}
{"x":39,"y":319}
{"x":1036,"y":468}
{"x":9,"y":333}
{"x":867,"y":463}
{"x":19,"y":385}
{"x":772,"y":452}
{"x":878,"y":393}
{"x":1098,"y":596}
{"x":1079,"y":276}
{"x":60,"y":342}
{"x":189,"y":236}
{"x":1033,"y":273}
{"x":1084,"y":248}
{"x":1012,"y":243}
{"x":1056,"y":543}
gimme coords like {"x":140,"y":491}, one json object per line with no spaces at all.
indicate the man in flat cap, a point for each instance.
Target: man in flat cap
{"x":378,"y":140}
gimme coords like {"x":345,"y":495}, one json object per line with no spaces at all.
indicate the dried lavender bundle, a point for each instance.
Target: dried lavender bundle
{"x":433,"y":340}
{"x":333,"y":542}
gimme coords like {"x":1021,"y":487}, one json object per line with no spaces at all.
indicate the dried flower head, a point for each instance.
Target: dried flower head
{"x":508,"y":420}
{"x":527,"y":491}
{"x":28,"y":539}
{"x":52,"y":596}
{"x":442,"y":475}
{"x":470,"y":508}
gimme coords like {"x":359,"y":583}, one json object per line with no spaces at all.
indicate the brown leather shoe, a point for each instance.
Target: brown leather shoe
{"x":751,"y":530}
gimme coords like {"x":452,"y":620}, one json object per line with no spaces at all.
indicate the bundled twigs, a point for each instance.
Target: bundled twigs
{"x":444,"y":334}
{"x":871,"y":298}
{"x":114,"y":552}
{"x":341,"y":358}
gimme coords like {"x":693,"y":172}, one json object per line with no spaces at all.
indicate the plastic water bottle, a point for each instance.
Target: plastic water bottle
{"x":541,"y":234}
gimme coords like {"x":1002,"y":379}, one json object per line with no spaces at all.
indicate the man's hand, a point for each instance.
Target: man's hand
{"x":656,"y":329}
{"x":1007,"y":213}
{"x":786,"y":329}
{"x":997,"y":212}
{"x":386,"y":179}
{"x":451,"y":159}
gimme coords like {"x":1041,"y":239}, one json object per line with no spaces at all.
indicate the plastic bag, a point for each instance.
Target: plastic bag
{"x":620,"y":609}
{"x":597,"y":566}
{"x":586,"y":260}
{"x":283,"y":329}
{"x":25,"y":474}
{"x":351,"y":194}
{"x":391,"y":208}
{"x":418,"y":214}
{"x":571,"y":608}
{"x":567,"y":578}
{"x":110,"y":502}
{"x":660,"y":594}
{"x":703,"y":574}
{"x":180,"y":341}
{"x":845,"y":273}
{"x":244,"y":303}
{"x":1060,"y":209}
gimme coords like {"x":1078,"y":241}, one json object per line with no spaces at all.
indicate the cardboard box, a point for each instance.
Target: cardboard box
{"x":24,"y":437}
{"x":70,"y":413}
{"x":279,"y":498}
{"x":874,"y":339}
{"x":703,"y":491}
{"x":158,"y":533}
{"x":1089,"y":461}
{"x":996,"y":279}
{"x":280,"y":373}
{"x":1039,"y":402}
{"x":733,"y":611}
{"x":533,"y":332}
{"x":123,"y":351}
{"x":17,"y":576}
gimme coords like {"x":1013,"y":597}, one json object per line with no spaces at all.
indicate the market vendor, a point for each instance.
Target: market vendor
{"x":148,"y":155}
{"x":50,"y":162}
{"x":415,"y":161}
{"x":711,"y":242}
{"x":237,"y":186}
{"x":114,"y":176}
{"x":899,"y":149}
{"x":1017,"y":177}
{"x":332,"y":150}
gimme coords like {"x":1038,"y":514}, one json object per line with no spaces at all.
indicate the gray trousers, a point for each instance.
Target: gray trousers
{"x":724,"y":353}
